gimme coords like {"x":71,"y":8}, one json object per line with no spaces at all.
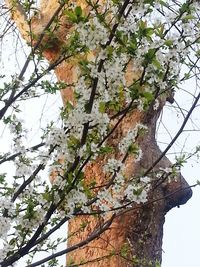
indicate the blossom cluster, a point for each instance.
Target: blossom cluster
{"x":130,"y":138}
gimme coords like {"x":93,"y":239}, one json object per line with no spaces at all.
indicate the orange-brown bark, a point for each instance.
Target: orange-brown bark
{"x":135,"y":237}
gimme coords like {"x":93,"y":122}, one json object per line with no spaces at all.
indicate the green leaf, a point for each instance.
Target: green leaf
{"x":75,"y":16}
{"x":102,"y":107}
{"x":156,"y":63}
{"x":125,"y":250}
{"x":78,"y":11}
{"x":134,"y":91}
{"x":149,"y":32}
{"x":151,"y":2}
{"x":133,"y":149}
{"x":157,"y":264}
{"x":188,"y":18}
{"x":138,"y":191}
{"x":71,"y":16}
{"x":184,"y":8}
{"x":84,"y":66}
{"x":2,"y":178}
{"x":168,"y":43}
{"x":163,"y":3}
{"x":142,"y":25}
{"x":148,"y":96}
{"x":116,"y":2}
{"x":106,"y":150}
{"x":198,"y":53}
{"x":132,"y":46}
{"x":47,"y":196}
{"x":30,"y":210}
{"x":159,"y":30}
{"x":73,"y":142}
{"x":188,"y":75}
{"x":149,"y":56}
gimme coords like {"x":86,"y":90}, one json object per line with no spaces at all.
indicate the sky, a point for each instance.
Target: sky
{"x":181,"y":240}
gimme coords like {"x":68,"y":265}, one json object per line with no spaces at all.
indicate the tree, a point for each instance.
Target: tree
{"x":117,"y":63}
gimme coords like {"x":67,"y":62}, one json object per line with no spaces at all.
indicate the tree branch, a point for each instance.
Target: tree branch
{"x":20,"y":18}
{"x":95,"y":234}
{"x":175,"y":137}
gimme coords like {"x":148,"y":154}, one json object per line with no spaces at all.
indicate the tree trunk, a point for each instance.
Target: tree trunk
{"x":135,"y":236}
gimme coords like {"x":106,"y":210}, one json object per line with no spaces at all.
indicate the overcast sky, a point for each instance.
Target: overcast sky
{"x":181,"y":241}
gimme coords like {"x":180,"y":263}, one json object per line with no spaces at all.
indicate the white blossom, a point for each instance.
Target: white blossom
{"x":129,"y":139}
{"x":145,"y":179}
{"x":130,"y":193}
{"x":112,"y":165}
{"x":5,"y":225}
{"x":156,"y":104}
{"x":93,"y":33}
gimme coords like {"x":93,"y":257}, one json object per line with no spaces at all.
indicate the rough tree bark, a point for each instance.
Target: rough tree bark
{"x":135,"y":237}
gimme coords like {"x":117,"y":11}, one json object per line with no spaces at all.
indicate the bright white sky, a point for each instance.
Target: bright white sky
{"x":181,"y":241}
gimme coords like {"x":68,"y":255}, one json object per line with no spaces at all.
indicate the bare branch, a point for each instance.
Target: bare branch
{"x":18,"y":15}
